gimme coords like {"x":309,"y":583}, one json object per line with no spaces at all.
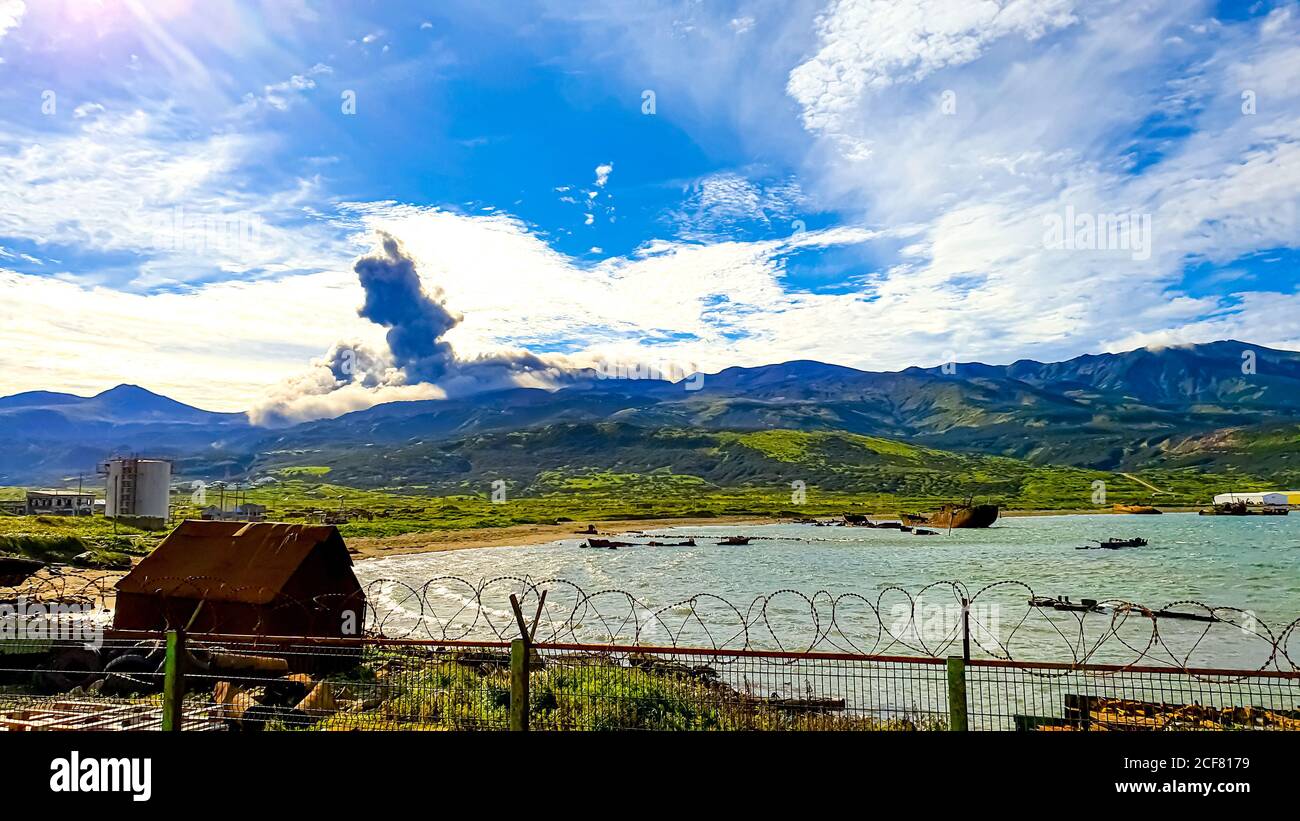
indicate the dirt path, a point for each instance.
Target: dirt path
{"x":1145,"y":483}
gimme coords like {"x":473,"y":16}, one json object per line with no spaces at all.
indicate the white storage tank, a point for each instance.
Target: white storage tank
{"x":138,"y":487}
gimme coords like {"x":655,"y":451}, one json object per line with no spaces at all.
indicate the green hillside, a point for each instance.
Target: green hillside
{"x":588,"y":471}
{"x":1271,"y":452}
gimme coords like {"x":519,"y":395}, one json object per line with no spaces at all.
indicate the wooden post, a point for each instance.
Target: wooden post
{"x":174,"y":681}
{"x":957,"y":717}
{"x":537,"y":617}
{"x":519,"y":685}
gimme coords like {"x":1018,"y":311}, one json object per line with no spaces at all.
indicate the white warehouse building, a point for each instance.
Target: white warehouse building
{"x":1259,"y":498}
{"x":138,"y":487}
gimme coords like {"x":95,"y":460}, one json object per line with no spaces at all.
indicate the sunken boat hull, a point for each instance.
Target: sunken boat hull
{"x":954,"y":516}
{"x":1138,"y":509}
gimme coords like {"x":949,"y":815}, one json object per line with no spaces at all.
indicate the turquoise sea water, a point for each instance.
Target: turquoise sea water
{"x":1248,"y":563}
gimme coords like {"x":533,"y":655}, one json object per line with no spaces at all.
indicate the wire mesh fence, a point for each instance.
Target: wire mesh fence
{"x":1054,"y":697}
{"x":443,"y":655}
{"x":255,"y":685}
{"x":59,"y":683}
{"x":582,"y":687}
{"x":250,"y":684}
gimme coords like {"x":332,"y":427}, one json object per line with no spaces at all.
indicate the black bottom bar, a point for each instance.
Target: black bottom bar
{"x":1021,"y":772}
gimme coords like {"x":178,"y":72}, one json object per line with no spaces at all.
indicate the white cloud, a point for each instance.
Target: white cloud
{"x":727,"y":295}
{"x":866,"y":46}
{"x":717,"y":204}
{"x":602,"y":173}
{"x":1260,"y":318}
{"x":87,"y":110}
{"x":281,"y":95}
{"x":218,"y":346}
{"x":1039,"y":130}
{"x":11,"y":15}
{"x":139,"y":190}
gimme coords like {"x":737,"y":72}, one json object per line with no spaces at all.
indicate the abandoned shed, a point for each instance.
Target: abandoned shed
{"x":258,"y":578}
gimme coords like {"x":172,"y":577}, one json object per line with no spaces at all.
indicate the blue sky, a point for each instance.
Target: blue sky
{"x":184,"y":186}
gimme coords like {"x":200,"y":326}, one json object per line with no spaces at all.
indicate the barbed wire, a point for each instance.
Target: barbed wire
{"x":1002,"y":620}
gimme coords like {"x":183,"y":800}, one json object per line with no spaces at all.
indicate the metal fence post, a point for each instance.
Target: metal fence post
{"x":965,"y":629}
{"x":957,"y":717}
{"x":519,"y":653}
{"x":173,"y":681}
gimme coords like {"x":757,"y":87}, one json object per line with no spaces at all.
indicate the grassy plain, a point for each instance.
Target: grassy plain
{"x":613,"y":473}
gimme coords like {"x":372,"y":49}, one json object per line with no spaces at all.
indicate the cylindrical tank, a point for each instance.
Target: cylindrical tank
{"x":138,"y":487}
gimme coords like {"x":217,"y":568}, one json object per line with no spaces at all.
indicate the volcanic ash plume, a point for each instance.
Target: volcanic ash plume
{"x":419,"y":362}
{"x":416,"y":321}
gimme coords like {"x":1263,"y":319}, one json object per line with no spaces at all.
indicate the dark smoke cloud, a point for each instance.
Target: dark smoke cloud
{"x":416,"y":322}
{"x":419,"y":362}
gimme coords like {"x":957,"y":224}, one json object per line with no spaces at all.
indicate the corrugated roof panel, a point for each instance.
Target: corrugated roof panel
{"x":248,"y":562}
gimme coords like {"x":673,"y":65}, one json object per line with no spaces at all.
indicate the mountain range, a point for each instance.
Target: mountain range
{"x":1224,"y":403}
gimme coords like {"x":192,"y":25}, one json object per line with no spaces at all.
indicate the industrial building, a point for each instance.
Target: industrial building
{"x":247,"y":512}
{"x":1273,"y":498}
{"x":59,"y":503}
{"x":137,"y":488}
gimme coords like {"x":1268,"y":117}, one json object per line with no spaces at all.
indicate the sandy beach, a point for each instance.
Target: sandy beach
{"x":437,"y":541}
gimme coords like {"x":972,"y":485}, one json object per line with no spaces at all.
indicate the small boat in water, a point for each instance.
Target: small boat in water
{"x":1093,"y":606}
{"x":735,"y":540}
{"x":1115,"y":544}
{"x":687,"y":543}
{"x":606,"y":544}
{"x":1243,"y":509}
{"x":1064,"y":603}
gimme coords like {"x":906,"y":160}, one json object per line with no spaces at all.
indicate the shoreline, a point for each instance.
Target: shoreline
{"x":1092,"y":511}
{"x":444,"y":540}
{"x":441,"y":541}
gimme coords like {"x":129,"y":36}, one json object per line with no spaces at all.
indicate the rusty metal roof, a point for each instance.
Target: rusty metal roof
{"x":246,"y":562}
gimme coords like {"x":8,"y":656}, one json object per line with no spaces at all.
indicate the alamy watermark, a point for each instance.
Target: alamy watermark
{"x":24,"y":619}
{"x":182,"y":230}
{"x":1099,"y":492}
{"x":73,"y":773}
{"x":1073,"y":231}
{"x":664,"y":371}
{"x":943,"y":622}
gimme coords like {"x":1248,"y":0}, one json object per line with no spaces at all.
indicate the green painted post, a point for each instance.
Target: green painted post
{"x":957,"y":720}
{"x":173,"y":681}
{"x":519,"y":685}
